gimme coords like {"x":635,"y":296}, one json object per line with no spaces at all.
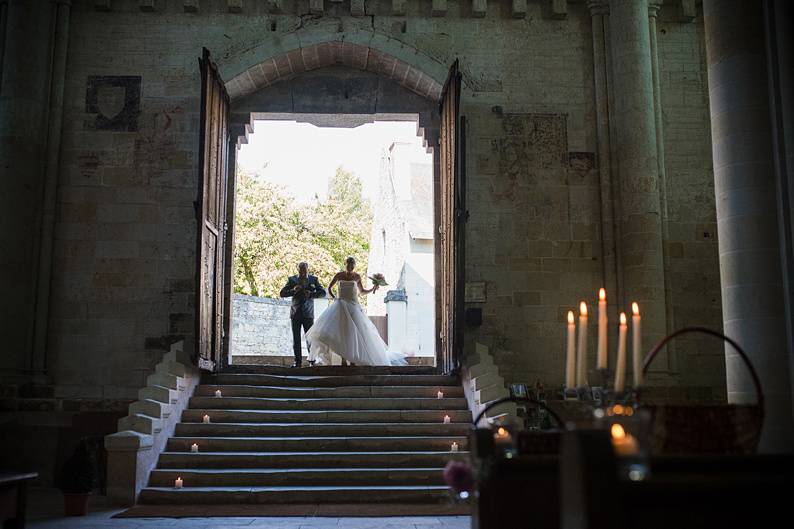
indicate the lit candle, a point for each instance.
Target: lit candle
{"x":502,"y":437}
{"x":624,"y":443}
{"x":194,"y":448}
{"x":446,"y":419}
{"x":178,"y":483}
{"x":454,"y":447}
{"x":620,"y":369}
{"x":581,"y":352}
{"x":218,"y":393}
{"x":636,"y":341}
{"x":206,"y":419}
{"x":570,"y":355}
{"x":440,"y":394}
{"x":602,"y":330}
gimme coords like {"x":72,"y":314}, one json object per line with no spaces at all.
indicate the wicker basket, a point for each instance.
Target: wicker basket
{"x":706,"y":429}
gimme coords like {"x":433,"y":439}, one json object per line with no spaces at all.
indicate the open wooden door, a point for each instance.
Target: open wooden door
{"x":211,"y":215}
{"x":451,"y":227}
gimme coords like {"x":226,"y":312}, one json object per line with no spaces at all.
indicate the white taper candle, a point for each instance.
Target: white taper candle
{"x":581,"y":351}
{"x":601,"y":359}
{"x":636,"y":342}
{"x":620,"y":368}
{"x":570,"y":353}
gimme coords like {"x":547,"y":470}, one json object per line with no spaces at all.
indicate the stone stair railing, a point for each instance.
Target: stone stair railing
{"x":144,"y":432}
{"x":482,"y":383}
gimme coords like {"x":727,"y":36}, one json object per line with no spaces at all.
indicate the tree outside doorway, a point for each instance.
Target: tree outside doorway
{"x":274,"y":232}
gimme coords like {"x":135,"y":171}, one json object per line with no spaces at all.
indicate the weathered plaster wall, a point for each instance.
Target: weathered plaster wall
{"x":124,"y":278}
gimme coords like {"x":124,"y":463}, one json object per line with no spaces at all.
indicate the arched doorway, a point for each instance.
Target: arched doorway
{"x":332,"y":77}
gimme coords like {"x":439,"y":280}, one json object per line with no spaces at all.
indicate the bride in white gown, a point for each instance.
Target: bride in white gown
{"x":343,"y":328}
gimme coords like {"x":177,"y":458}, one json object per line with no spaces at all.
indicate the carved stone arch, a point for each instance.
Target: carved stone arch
{"x":422,"y":80}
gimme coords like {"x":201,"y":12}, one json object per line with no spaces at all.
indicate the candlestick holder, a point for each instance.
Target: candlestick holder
{"x":584,"y":393}
{"x":601,"y":393}
{"x":569,"y":393}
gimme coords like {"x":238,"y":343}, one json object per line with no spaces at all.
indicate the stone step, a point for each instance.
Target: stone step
{"x":333,"y":416}
{"x":331,"y":370}
{"x":331,"y":494}
{"x":402,"y":459}
{"x":259,"y":403}
{"x":330,"y":392}
{"x":187,"y":429}
{"x":314,"y":444}
{"x":242,"y":477}
{"x":253,"y":379}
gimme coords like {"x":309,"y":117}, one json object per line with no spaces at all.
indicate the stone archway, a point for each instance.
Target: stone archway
{"x":313,"y":80}
{"x":289,"y":64}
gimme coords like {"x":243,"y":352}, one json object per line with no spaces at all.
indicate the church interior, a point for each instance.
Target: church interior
{"x":613,"y":260}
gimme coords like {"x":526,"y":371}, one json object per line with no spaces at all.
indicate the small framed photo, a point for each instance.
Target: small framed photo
{"x":518,"y":390}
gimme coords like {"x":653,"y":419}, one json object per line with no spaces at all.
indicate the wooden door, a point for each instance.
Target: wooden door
{"x":211,"y":215}
{"x":452,"y":217}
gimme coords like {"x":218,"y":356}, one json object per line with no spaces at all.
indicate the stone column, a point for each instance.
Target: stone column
{"x":610,"y":233}
{"x":396,"y":309}
{"x":747,"y":214}
{"x":636,"y":166}
{"x":24,"y":98}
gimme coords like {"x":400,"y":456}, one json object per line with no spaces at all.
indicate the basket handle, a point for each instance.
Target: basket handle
{"x":495,"y":403}
{"x":686,"y":330}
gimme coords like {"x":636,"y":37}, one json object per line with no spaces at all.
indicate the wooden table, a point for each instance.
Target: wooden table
{"x":13,"y":498}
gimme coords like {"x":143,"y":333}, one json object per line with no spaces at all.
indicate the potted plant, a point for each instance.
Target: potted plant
{"x":77,"y":482}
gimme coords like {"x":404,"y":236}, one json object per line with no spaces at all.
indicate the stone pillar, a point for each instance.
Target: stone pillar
{"x":24,"y":101}
{"x":396,"y":309}
{"x":611,"y":266}
{"x":636,"y":166}
{"x":747,"y":214}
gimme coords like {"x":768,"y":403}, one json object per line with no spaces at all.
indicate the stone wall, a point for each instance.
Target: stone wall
{"x":123,"y":283}
{"x":261,"y":326}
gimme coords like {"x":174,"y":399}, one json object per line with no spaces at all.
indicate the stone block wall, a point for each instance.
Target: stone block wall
{"x":123,"y":282}
{"x":261,"y":327}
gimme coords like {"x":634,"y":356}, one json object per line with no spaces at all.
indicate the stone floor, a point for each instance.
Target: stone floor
{"x":45,"y":512}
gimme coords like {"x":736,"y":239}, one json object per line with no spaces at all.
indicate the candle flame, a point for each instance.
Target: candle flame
{"x":501,"y":432}
{"x":618,"y":432}
{"x":583,"y":308}
{"x":623,"y":318}
{"x":602,"y":295}
{"x":570,"y":316}
{"x":635,"y":309}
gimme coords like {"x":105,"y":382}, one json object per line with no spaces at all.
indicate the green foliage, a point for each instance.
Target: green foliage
{"x":273,"y":232}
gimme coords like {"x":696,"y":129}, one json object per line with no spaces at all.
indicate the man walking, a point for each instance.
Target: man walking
{"x":303,"y":288}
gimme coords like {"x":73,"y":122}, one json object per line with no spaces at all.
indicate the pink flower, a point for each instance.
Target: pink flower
{"x":459,"y":476}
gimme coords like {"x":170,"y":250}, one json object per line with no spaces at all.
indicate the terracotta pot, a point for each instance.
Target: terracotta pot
{"x":75,"y":504}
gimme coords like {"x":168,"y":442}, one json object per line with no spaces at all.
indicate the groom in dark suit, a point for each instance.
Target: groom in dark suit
{"x":303,"y":288}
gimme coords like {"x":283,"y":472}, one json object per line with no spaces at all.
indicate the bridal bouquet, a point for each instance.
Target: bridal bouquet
{"x":378,"y":279}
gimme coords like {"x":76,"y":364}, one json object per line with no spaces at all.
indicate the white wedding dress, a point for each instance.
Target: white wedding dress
{"x":344,"y":329}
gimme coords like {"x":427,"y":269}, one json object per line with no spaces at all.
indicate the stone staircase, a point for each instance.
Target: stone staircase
{"x":316,"y":435}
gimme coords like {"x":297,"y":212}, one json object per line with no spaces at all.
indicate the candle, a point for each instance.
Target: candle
{"x":440,"y":394}
{"x":570,"y":358}
{"x":620,"y":369}
{"x":502,"y":437}
{"x":206,"y":419}
{"x":194,"y":448}
{"x":218,"y":393}
{"x":636,"y":341}
{"x":454,"y":447}
{"x":624,"y":443}
{"x":602,"y":329}
{"x":446,"y":419}
{"x":581,"y":352}
{"x":178,"y":483}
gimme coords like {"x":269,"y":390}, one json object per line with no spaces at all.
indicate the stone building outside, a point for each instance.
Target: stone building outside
{"x":401,"y":248}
